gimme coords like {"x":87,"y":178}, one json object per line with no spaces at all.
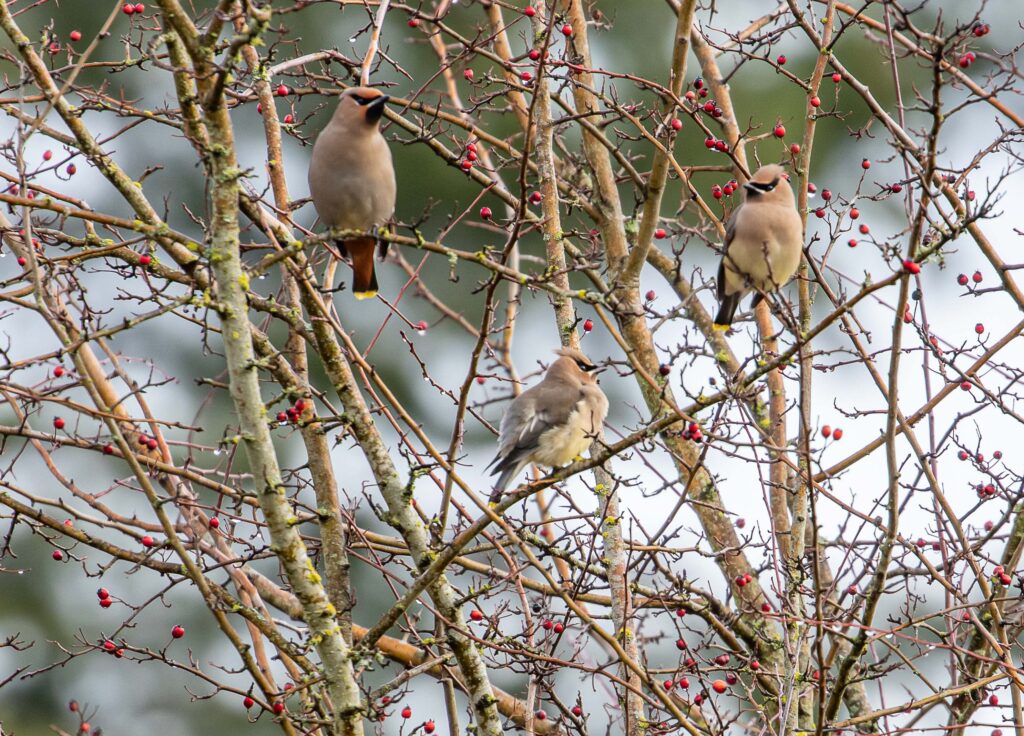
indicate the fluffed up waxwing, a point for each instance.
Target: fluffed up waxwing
{"x":551,"y":423}
{"x":352,"y":180}
{"x":763,"y":243}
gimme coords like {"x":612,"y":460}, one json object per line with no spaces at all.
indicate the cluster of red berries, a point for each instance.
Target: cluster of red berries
{"x":147,"y":442}
{"x":718,"y":191}
{"x":692,"y":432}
{"x":467,"y":163}
{"x":716,"y":144}
{"x":742,"y":580}
{"x":133,"y":9}
{"x":976,"y":277}
{"x":966,"y":59}
{"x":835,"y":434}
{"x":1000,"y":574}
{"x":986,"y":491}
{"x":293,"y":413}
{"x":111,"y":648}
{"x":549,"y":625}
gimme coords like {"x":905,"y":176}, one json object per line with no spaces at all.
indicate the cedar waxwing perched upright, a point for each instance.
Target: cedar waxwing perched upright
{"x":763,"y":243}
{"x":352,"y":179}
{"x":553,"y":422}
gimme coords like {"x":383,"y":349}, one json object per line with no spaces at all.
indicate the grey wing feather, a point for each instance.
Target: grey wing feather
{"x":730,"y":233}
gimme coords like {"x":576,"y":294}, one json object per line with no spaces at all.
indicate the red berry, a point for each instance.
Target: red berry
{"x":140,"y":8}
{"x":716,"y":191}
{"x":976,"y":277}
{"x":709,"y":143}
{"x":577,"y":711}
{"x":837,"y":77}
{"x":559,"y":627}
{"x":837,"y":434}
{"x":468,"y":74}
{"x":485,"y":213}
{"x":106,"y":603}
{"x":721,"y":146}
{"x":540,"y":715}
{"x":854,"y":213}
{"x":58,"y":423}
{"x":414,"y":22}
{"x":214,"y":523}
{"x":476,"y":615}
{"x":811,"y":187}
{"x":826,"y":194}
{"x":58,"y":371}
{"x":819,"y":213}
{"x":177,"y":632}
{"x":731,"y":678}
{"x":668,"y":684}
{"x":588,"y":325}
{"x":755,"y":665}
{"x":794,"y":148}
{"x":698,"y":83}
{"x":740,"y":523}
{"x":780,"y":131}
{"x":22,"y":260}
{"x":865,"y":164}
{"x":979,"y":30}
{"x":278,"y":708}
{"x":530,"y":11}
{"x":826,"y":431}
{"x":966,"y":60}
{"x":781,"y":60}
{"x":147,"y":541}
{"x":815,"y":102}
{"x":102,"y":594}
{"x":466,"y":165}
{"x":567,"y":30}
{"x":911,"y":266}
{"x":75,"y":35}
{"x":536,"y":197}
{"x":766,"y":608}
{"x":289,"y":119}
{"x":128,"y":9}
{"x":719,"y":686}
{"x":998,"y":454}
{"x":421,"y":326}
{"x":993,"y":700}
{"x":965,"y":386}
{"x":282,"y":417}
{"x":282,"y":90}
{"x":896,"y":188}
{"x":864,"y":229}
{"x":57,"y":555}
{"x":428,"y":727}
{"x":72,"y":169}
{"x":534,"y":54}
{"x":852,"y":242}
{"x":151,"y":443}
{"x":650,"y":295}
{"x":145,"y":260}
{"x":47,"y":155}
{"x":526,"y":76}
{"x":979,"y":328}
{"x":722,"y":660}
{"x":681,"y":644}
{"x":676,"y":124}
{"x":248,"y":702}
{"x":407,"y":712}
{"x":962,"y":279}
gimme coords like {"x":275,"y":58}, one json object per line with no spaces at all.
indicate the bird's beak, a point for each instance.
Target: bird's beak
{"x":375,"y":109}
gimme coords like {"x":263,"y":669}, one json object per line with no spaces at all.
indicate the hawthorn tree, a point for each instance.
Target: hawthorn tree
{"x":278,"y":494}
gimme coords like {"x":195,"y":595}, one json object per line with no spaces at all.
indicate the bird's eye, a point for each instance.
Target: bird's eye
{"x":360,"y":100}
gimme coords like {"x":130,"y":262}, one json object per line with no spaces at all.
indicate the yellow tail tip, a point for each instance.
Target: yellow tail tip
{"x":360,"y":295}
{"x":720,"y":328}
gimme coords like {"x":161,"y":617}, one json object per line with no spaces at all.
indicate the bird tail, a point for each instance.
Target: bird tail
{"x":509,"y":468}
{"x":364,"y":275}
{"x":727,"y":311}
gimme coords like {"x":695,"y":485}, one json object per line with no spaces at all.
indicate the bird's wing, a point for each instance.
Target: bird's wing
{"x":730,"y":233}
{"x":532,"y":414}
